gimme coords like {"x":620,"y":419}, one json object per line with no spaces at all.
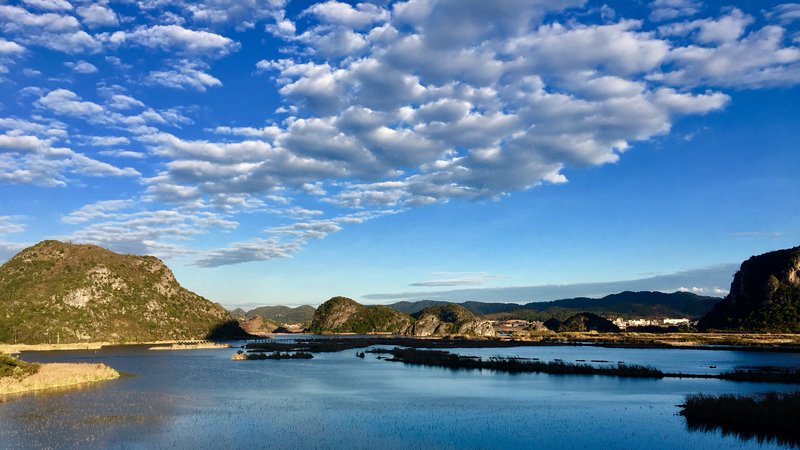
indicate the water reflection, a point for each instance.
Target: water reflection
{"x":744,"y":433}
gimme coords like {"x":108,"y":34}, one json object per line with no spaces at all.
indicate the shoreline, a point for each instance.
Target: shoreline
{"x":14,"y":349}
{"x":755,"y":342}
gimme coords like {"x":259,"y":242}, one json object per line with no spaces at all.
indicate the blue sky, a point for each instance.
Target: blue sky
{"x":282,"y":152}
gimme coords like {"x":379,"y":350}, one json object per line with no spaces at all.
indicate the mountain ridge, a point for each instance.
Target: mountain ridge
{"x":626,"y":304}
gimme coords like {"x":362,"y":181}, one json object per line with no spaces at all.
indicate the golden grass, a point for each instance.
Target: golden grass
{"x":55,"y":375}
{"x":190,"y":346}
{"x":11,"y":349}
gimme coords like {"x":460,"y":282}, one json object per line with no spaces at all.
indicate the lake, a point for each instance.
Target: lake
{"x":202,"y":399}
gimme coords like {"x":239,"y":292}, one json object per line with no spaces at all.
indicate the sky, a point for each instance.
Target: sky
{"x":284,"y":152}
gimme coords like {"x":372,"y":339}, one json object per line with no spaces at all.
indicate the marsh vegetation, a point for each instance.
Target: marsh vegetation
{"x":766,"y":417}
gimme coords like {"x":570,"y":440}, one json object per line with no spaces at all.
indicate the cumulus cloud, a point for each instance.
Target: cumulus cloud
{"x":124,"y":102}
{"x":60,"y":32}
{"x":360,"y":16}
{"x":11,"y":224}
{"x":186,"y":74}
{"x":118,"y":225}
{"x":175,"y":38}
{"x":662,"y":10}
{"x":785,"y":13}
{"x":96,"y":15}
{"x":10,"y":48}
{"x":284,"y":241}
{"x":67,"y":103}
{"x":109,"y":141}
{"x":81,"y":67}
{"x":31,"y":160}
{"x":49,"y":5}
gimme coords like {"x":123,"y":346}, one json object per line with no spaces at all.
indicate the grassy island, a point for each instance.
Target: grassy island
{"x":242,"y":356}
{"x":18,"y":376}
{"x":439,"y":358}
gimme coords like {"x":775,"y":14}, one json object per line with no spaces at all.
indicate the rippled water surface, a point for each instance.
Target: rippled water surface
{"x":200,"y":398}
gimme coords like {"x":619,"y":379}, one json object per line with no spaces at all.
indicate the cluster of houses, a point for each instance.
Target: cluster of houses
{"x":668,"y":322}
{"x":513,"y":326}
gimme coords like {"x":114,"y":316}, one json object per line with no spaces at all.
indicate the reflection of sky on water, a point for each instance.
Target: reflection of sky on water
{"x":186,"y":399}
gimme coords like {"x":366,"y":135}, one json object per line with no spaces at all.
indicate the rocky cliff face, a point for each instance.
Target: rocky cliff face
{"x":57,"y":292}
{"x":343,"y":315}
{"x":334,"y":313}
{"x":449,"y":319}
{"x":764,"y":295}
{"x":258,"y":326}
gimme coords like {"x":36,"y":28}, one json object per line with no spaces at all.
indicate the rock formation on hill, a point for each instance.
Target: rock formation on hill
{"x":764,"y":296}
{"x":449,"y":319}
{"x":57,"y":292}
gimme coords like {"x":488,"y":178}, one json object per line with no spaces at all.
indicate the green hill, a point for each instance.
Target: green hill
{"x":58,"y":292}
{"x":344,"y":315}
{"x":284,"y":314}
{"x":583,"y":322}
{"x":764,"y":296}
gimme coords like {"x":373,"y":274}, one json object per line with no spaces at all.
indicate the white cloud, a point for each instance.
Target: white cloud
{"x":727,"y":28}
{"x":757,"y":59}
{"x":360,"y":16}
{"x":10,"y":48}
{"x":268,"y":132}
{"x":244,"y":13}
{"x":186,"y":74}
{"x":422,"y":117}
{"x":286,"y":241}
{"x":81,"y":67}
{"x":124,"y":102}
{"x":48,"y":130}
{"x":96,"y":15}
{"x":55,"y":31}
{"x":66,"y":102}
{"x":785,"y":13}
{"x":49,"y":5}
{"x":175,"y":38}
{"x":671,"y":9}
{"x":109,"y":141}
{"x":99,"y":210}
{"x":118,"y":225}
{"x":11,"y":224}
{"x":31,"y":160}
{"x":123,"y":154}
{"x":19,"y":18}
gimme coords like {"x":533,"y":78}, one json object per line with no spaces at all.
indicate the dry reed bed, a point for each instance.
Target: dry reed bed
{"x":54,"y":375}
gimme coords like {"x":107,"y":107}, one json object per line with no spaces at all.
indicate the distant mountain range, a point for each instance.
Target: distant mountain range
{"x":628,"y":305}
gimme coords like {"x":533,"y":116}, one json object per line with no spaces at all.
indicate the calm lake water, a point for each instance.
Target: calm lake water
{"x":202,"y":399}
